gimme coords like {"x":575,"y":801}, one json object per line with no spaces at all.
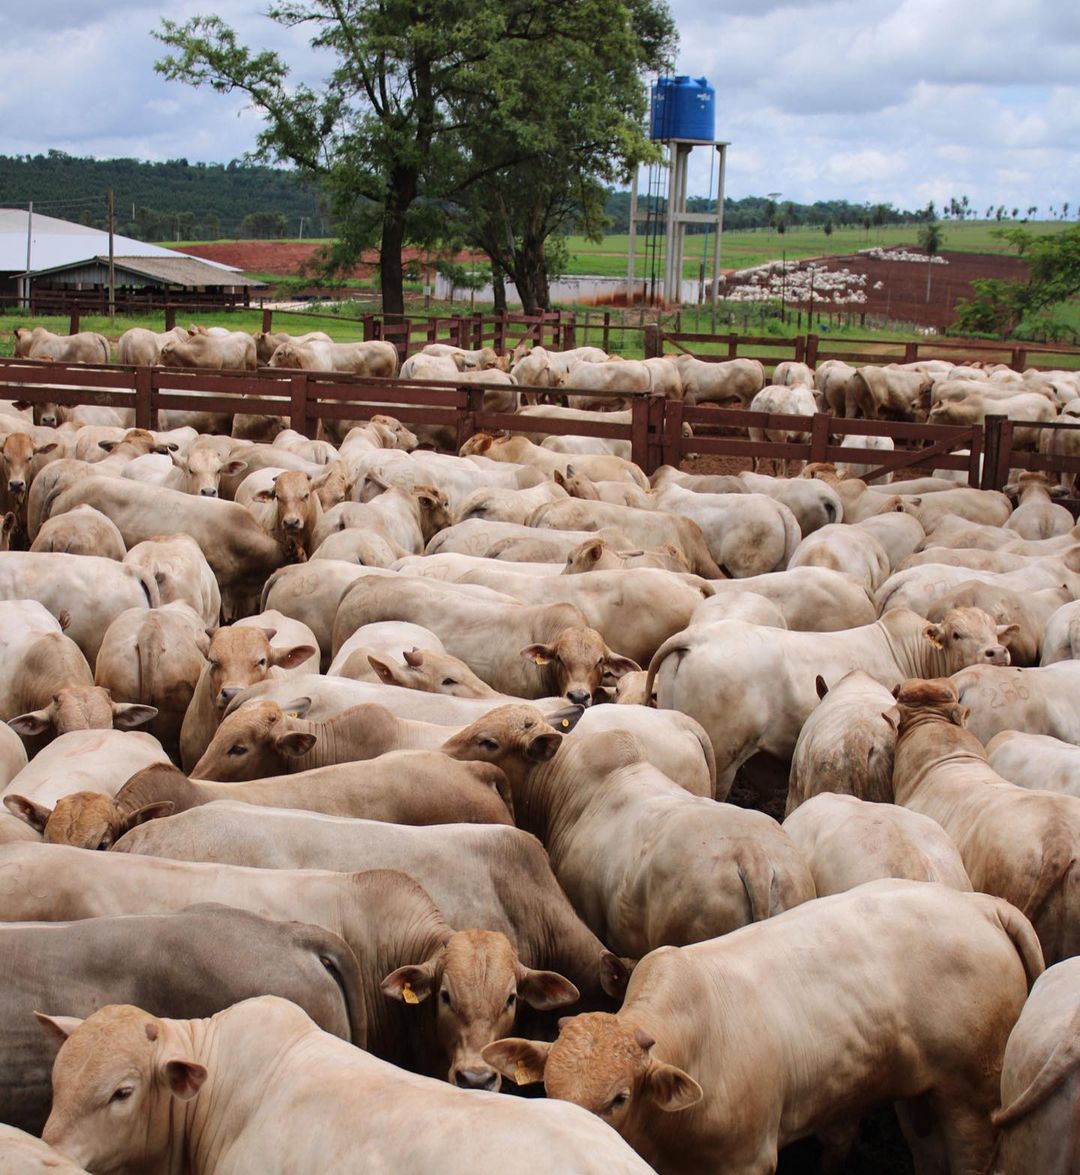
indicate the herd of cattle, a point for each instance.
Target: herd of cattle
{"x":430,"y":799}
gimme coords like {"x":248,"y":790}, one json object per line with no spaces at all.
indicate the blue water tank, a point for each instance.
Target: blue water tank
{"x":683,"y":108}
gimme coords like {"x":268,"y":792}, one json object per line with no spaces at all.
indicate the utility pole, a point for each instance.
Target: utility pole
{"x":302,"y":219}
{"x":29,"y":242}
{"x":112,"y":267}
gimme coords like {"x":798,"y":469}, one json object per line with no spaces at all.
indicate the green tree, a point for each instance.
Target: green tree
{"x":827,"y":228}
{"x":390,"y":136}
{"x":999,"y":306}
{"x":931,"y":237}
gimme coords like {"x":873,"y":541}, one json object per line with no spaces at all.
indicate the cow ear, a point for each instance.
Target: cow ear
{"x":41,"y":450}
{"x":1004,"y":630}
{"x":671,"y":1089}
{"x":28,"y":811}
{"x":32,"y":724}
{"x":566,"y":719}
{"x":538,"y":654}
{"x":295,"y":743}
{"x":958,"y":715}
{"x":892,"y":717}
{"x":413,"y":657}
{"x":233,"y":468}
{"x":615,"y":974}
{"x":128,"y":715}
{"x":387,"y":673}
{"x":57,"y":1028}
{"x":558,"y":478}
{"x":934,"y":634}
{"x":821,"y":686}
{"x":108,"y":446}
{"x":544,"y":990}
{"x":410,"y":985}
{"x":522,"y":1061}
{"x":617,"y":666}
{"x":264,"y":496}
{"x":158,"y":810}
{"x":290,"y":658}
{"x":184,"y":1078}
{"x":179,"y":460}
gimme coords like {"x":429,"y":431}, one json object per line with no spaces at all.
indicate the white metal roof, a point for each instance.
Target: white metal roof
{"x":60,"y":242}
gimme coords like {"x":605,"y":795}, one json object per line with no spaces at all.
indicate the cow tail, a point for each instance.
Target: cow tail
{"x":1056,"y":1069}
{"x":342,"y":967}
{"x":149,"y":586}
{"x":756,"y":875}
{"x":678,"y":643}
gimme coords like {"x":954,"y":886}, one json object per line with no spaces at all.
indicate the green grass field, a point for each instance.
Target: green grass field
{"x":741,"y":250}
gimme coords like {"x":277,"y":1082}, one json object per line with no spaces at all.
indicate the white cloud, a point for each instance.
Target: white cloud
{"x":900,"y":100}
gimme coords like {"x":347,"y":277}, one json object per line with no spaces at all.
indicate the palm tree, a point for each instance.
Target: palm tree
{"x":931,"y":238}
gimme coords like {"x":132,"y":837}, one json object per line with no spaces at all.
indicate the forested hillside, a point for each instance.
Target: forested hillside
{"x":178,"y":200}
{"x":175,"y":200}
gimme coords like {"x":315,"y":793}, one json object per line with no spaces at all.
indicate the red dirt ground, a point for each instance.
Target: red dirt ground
{"x":287,"y":257}
{"x":903,"y":295}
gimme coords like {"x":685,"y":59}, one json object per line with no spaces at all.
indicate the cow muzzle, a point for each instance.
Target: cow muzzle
{"x":16,"y":487}
{"x":290,"y":524}
{"x":997,"y":655}
{"x":579,"y":697}
{"x":208,"y":492}
{"x":480,"y":1078}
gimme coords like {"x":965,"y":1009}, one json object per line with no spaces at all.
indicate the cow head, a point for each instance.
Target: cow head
{"x":256,"y":740}
{"x":576,"y":664}
{"x":82,"y":708}
{"x":205,"y":468}
{"x":433,"y":672}
{"x":476,"y":982}
{"x":16,"y":458}
{"x":85,"y":819}
{"x":291,"y":492}
{"x":577,"y":485}
{"x":514,"y":737}
{"x":115,"y":1079}
{"x":242,"y":655}
{"x":477,"y":445}
{"x":919,"y":700}
{"x":392,"y":434}
{"x":603,"y":1063}
{"x":285,"y":355}
{"x":969,"y":636}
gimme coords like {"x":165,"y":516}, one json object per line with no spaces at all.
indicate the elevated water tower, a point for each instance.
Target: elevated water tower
{"x":683,"y":117}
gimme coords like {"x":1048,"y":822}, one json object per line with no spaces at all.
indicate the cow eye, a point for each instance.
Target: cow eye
{"x":122,"y":1094}
{"x":488,"y":744}
{"x":449,"y":681}
{"x":511,"y":999}
{"x":261,"y":663}
{"x":956,"y":636}
{"x":444,"y":995}
{"x":619,"y":1100}
{"x":237,"y":749}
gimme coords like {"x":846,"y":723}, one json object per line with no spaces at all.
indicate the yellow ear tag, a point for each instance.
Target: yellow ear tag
{"x":292,"y":713}
{"x":408,"y":995}
{"x":541,"y":660}
{"x":565,"y":723}
{"x":522,"y":1074}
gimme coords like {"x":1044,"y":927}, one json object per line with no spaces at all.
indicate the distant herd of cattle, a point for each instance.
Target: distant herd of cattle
{"x":430,"y":799}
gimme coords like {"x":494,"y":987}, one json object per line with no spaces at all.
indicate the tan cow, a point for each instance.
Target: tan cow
{"x":1036,"y":515}
{"x":139,"y":347}
{"x":1035,"y":761}
{"x":847,"y":841}
{"x":1020,"y":845}
{"x":645,"y":863}
{"x":155,"y":658}
{"x":519,"y":451}
{"x":39,"y":343}
{"x":700,"y":1070}
{"x":1043,"y":700}
{"x":178,"y":567}
{"x":753,"y":687}
{"x":234,"y":351}
{"x":849,"y":549}
{"x":1039,"y":1078}
{"x":296,"y":512}
{"x":24,"y":1154}
{"x":846,"y":745}
{"x":237,"y":657}
{"x":407,"y":519}
{"x":222,"y":1069}
{"x":81,"y":531}
{"x":372,"y":358}
{"x":719,"y":383}
{"x":598,"y":555}
{"x":267,"y":342}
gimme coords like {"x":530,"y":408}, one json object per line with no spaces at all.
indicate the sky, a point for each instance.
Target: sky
{"x":903,"y":101}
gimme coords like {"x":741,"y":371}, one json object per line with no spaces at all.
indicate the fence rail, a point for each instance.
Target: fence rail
{"x":654,"y":431}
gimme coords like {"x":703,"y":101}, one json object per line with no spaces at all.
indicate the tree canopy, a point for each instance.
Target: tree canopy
{"x":999,"y":306}
{"x":487,"y":120}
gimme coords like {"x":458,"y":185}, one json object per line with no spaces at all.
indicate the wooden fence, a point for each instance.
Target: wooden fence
{"x":655,"y":430}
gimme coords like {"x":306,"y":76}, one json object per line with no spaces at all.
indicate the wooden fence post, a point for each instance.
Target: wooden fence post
{"x":732,"y":345}
{"x":672,"y":444}
{"x":911,"y":352}
{"x":73,"y":325}
{"x":569,"y":334}
{"x":639,"y":431}
{"x":472,"y":404}
{"x":810,"y":358}
{"x":992,"y":441}
{"x":170,"y":317}
{"x":654,"y":342}
{"x":975,"y":459}
{"x":369,"y":328}
{"x":819,"y":436}
{"x":267,"y":321}
{"x":655,"y":456}
{"x":298,"y":402}
{"x":800,"y":348}
{"x":499,"y":341}
{"x":606,"y":344}
{"x":144,"y":413}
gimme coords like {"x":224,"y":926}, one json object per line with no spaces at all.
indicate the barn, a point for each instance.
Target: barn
{"x":57,"y":264}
